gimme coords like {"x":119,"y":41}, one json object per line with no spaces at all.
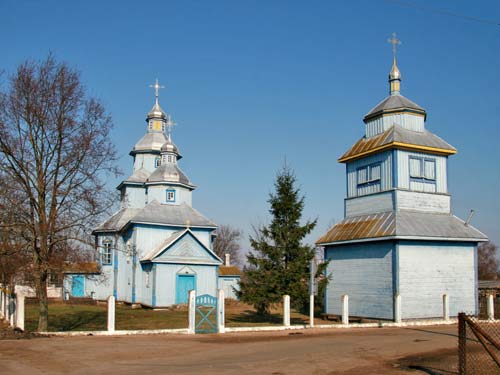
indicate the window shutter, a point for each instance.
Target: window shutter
{"x":375,"y":173}
{"x":415,"y":167}
{"x":430,"y":169}
{"x":362,"y":175}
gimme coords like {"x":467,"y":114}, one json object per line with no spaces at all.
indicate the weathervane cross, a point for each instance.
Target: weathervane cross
{"x":395,"y":42}
{"x":169,"y":123}
{"x":157,"y":87}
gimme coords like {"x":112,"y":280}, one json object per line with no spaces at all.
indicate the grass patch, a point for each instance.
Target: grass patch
{"x":74,"y":316}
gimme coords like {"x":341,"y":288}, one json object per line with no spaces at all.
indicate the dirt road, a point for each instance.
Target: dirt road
{"x":316,"y":352}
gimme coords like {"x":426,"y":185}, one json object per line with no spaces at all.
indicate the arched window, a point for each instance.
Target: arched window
{"x":157,"y":161}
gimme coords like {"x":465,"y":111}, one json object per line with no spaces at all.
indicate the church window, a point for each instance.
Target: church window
{"x":422,"y":169}
{"x":157,"y":161}
{"x":170,"y":158}
{"x":106,"y":253}
{"x":170,"y":195}
{"x":369,"y":175}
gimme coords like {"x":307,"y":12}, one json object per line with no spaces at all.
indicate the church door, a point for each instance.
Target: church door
{"x":77,"y":289}
{"x":184,"y":284}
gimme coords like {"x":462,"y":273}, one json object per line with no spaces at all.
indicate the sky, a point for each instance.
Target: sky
{"x":254,"y":83}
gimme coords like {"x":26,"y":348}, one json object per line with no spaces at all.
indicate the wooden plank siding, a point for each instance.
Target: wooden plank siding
{"x":404,"y":172}
{"x":385,"y":160}
{"x":364,"y":272}
{"x":406,"y":120}
{"x":427,"y":270}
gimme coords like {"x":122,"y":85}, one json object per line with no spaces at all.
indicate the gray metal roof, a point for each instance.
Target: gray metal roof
{"x":156,"y":213}
{"x":394,"y":137}
{"x":150,"y":142}
{"x":140,"y":175}
{"x":403,"y":225}
{"x":171,"y":214}
{"x":392,"y":103}
{"x":158,"y":249}
{"x":168,"y":172}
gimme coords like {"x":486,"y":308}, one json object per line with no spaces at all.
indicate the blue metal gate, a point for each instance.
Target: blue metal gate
{"x":206,"y":314}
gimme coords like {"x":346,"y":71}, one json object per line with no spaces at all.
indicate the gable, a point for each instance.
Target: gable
{"x":186,"y":249}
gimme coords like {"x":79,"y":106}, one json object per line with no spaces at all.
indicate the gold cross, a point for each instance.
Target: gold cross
{"x":394,"y":41}
{"x":156,"y":86}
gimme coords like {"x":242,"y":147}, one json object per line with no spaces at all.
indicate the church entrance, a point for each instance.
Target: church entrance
{"x":184,"y":283}
{"x":77,"y":286}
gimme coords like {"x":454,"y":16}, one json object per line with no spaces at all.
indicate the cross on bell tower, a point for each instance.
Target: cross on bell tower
{"x":157,"y":87}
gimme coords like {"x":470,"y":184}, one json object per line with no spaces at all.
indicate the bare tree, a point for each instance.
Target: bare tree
{"x":487,"y":262}
{"x":55,"y":151}
{"x":227,"y":242}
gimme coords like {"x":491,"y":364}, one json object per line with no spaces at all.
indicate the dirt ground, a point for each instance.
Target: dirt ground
{"x":428,"y":350}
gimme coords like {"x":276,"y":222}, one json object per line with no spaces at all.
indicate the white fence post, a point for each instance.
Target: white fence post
{"x":111,"y":314}
{"x":345,"y":309}
{"x":490,"y":307}
{"x":192,"y":311}
{"x":397,"y":308}
{"x":221,"y":327}
{"x":286,"y":310}
{"x":446,"y":307}
{"x":20,"y":311}
{"x":311,"y":310}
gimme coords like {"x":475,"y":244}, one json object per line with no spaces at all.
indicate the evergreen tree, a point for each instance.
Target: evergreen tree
{"x":280,"y":262}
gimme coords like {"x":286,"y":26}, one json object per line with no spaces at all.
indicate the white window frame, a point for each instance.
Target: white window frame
{"x":107,"y":253}
{"x":170,"y":195}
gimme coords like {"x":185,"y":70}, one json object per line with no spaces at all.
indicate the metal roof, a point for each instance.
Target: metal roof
{"x":402,"y":225}
{"x":156,"y":213}
{"x":150,"y":142}
{"x":168,"y":172}
{"x":140,"y":175}
{"x":393,"y":103}
{"x":397,"y":137}
{"x":159,"y":249}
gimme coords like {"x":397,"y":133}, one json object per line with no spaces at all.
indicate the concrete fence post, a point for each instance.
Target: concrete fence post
{"x":446,"y":307}
{"x":192,"y":312}
{"x":221,"y":327}
{"x":397,"y":308}
{"x":490,"y":307}
{"x":345,"y":309}
{"x":311,"y":310}
{"x":286,"y":310}
{"x":111,"y":314}
{"x":20,"y":311}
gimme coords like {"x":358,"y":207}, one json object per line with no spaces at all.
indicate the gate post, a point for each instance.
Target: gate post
{"x":111,"y":314}
{"x":1,"y":304}
{"x":490,"y":307}
{"x":192,"y":311}
{"x":12,"y":310}
{"x":286,"y":310}
{"x":462,"y":344}
{"x":345,"y":309}
{"x":221,"y":327}
{"x":446,"y":307}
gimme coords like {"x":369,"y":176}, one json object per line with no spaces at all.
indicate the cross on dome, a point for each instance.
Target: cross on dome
{"x":169,"y":124}
{"x":395,"y":42}
{"x":157,"y":87}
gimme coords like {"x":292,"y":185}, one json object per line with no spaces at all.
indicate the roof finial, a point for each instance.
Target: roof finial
{"x":394,"y":75}
{"x":157,"y":87}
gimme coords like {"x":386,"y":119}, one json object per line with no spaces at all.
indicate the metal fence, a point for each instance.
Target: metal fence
{"x":478,"y":346}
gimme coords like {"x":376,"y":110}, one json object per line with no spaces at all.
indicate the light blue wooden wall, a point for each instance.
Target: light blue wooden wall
{"x":364,"y":272}
{"x":427,"y":270}
{"x":158,"y":192}
{"x":206,"y":281}
{"x":406,"y":120}
{"x":229,"y":284}
{"x":146,"y":161}
{"x":404,"y":173}
{"x":385,"y":158}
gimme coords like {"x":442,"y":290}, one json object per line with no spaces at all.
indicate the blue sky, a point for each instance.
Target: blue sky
{"x":251,"y":83}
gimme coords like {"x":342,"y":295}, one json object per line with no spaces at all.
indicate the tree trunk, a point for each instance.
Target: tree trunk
{"x":41,"y":292}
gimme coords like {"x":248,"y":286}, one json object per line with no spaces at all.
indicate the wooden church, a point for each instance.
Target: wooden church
{"x":399,"y":236}
{"x":157,"y":247}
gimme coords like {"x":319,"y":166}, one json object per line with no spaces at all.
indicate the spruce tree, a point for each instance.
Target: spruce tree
{"x":279,"y":262}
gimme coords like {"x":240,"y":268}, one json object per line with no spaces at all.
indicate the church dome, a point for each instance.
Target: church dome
{"x":156,"y":113}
